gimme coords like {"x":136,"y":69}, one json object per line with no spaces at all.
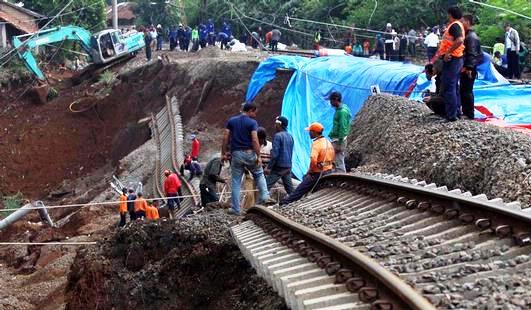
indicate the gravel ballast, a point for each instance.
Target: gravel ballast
{"x":395,"y":135}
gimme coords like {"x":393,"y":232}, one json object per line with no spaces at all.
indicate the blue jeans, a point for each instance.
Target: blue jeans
{"x":246,"y":160}
{"x":451,"y":73}
{"x":159,"y":44}
{"x":308,"y":183}
{"x":277,"y":174}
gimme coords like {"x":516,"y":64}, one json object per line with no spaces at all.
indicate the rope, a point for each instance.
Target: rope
{"x":61,"y":15}
{"x":34,"y":34}
{"x":49,"y":243}
{"x":498,"y":8}
{"x":112,"y":203}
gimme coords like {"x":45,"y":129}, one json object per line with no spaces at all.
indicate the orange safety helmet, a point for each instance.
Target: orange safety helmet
{"x":315,"y":127}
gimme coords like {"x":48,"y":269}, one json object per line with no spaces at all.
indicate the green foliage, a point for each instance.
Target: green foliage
{"x":89,"y":14}
{"x":107,"y":78}
{"x":52,"y":93}
{"x":12,"y":202}
{"x":491,"y":21}
{"x":157,"y":12}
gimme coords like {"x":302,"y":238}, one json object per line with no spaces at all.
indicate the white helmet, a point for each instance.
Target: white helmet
{"x":389,"y":25}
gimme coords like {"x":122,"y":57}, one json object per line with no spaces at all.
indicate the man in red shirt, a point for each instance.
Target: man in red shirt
{"x":196,"y":145}
{"x":172,"y":184}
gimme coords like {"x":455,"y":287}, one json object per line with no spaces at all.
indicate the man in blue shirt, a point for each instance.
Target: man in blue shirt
{"x":281,"y":153}
{"x":211,"y":32}
{"x":241,"y":131}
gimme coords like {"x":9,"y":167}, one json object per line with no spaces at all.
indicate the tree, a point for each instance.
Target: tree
{"x":491,"y":21}
{"x":89,"y":14}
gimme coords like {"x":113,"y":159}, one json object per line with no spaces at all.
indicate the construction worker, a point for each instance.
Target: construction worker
{"x":122,"y":207}
{"x":211,"y":176}
{"x":340,"y":130}
{"x":160,"y":37}
{"x":172,"y":184}
{"x":241,"y":132}
{"x":152,"y":213}
{"x":195,"y":39}
{"x":451,"y":51}
{"x":147,"y":40}
{"x":321,"y":163}
{"x":140,"y":206}
{"x":211,"y":32}
{"x":191,"y":165}
{"x":131,"y":205}
{"x":279,"y":166}
{"x":196,"y":147}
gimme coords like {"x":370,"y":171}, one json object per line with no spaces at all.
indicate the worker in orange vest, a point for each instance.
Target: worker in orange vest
{"x":152,"y":213}
{"x":321,"y":163}
{"x":451,"y":51}
{"x":140,"y":206}
{"x":122,"y":207}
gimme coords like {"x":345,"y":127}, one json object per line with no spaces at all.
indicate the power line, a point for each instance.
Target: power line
{"x":61,"y":15}
{"x":113,"y":203}
{"x":34,"y":34}
{"x":49,"y":243}
{"x":501,"y":9}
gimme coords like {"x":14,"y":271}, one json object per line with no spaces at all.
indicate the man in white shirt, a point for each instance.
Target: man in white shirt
{"x":512,"y":45}
{"x":431,"y":42}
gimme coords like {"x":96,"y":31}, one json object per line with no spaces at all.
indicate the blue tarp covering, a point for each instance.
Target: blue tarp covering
{"x":305,"y":99}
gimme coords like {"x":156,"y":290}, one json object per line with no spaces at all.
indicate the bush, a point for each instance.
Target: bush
{"x":12,"y":202}
{"x":107,"y":78}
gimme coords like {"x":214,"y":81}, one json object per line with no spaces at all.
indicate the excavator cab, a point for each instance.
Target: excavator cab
{"x":108,"y":45}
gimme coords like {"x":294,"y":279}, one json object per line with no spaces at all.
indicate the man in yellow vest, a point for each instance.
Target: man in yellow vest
{"x":451,"y":51}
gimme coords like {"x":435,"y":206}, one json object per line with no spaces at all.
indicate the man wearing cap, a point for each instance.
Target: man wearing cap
{"x":172,"y":184}
{"x":389,"y":41}
{"x":340,"y":130}
{"x":321,"y":163}
{"x":279,"y":166}
{"x":160,"y":37}
{"x":241,"y":132}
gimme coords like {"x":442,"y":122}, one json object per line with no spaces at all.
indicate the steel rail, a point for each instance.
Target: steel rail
{"x":515,"y":221}
{"x":410,"y":298}
{"x":176,"y":150}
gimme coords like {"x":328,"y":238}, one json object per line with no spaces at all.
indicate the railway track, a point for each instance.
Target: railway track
{"x":169,"y":137}
{"x":386,"y":242}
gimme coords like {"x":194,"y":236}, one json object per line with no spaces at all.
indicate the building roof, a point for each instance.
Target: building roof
{"x":26,"y":22}
{"x":22,"y":9}
{"x":126,"y":10}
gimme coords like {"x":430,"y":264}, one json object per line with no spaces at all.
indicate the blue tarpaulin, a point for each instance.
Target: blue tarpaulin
{"x":305,"y":99}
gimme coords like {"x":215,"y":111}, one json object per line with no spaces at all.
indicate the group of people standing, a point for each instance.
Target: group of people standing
{"x":186,"y":38}
{"x":241,"y":146}
{"x":136,"y":206}
{"x":454,"y":67}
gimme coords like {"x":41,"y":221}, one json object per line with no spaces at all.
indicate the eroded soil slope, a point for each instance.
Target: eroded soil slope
{"x":190,"y":264}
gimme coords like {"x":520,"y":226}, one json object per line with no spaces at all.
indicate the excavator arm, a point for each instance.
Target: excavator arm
{"x":52,"y":35}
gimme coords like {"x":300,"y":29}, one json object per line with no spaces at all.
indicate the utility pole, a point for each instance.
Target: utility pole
{"x":115,"y":14}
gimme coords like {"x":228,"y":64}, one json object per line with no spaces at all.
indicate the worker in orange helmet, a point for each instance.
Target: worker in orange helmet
{"x":122,"y":207}
{"x":140,"y":206}
{"x":172,"y":184}
{"x":321,"y":163}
